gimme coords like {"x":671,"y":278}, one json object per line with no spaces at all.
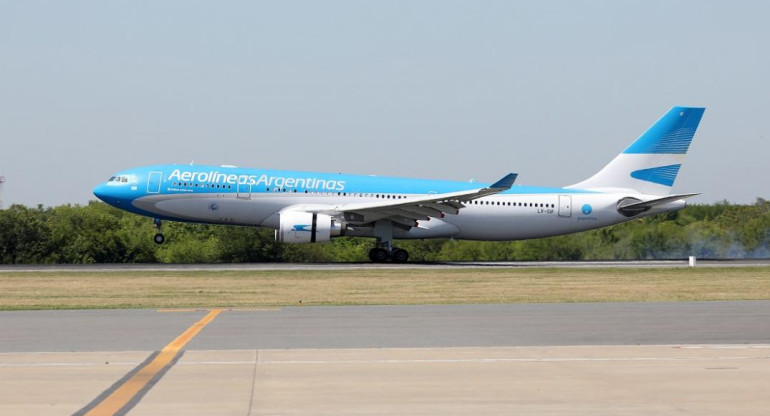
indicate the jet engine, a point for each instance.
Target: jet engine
{"x":307,"y":227}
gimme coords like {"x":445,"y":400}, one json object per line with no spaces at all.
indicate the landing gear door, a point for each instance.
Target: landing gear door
{"x":565,"y":206}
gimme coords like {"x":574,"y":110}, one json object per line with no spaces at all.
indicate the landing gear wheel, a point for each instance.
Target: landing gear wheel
{"x":378,"y":255}
{"x":159,"y":238}
{"x":399,"y":255}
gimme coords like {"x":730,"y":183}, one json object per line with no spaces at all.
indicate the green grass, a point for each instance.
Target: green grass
{"x":206,"y":289}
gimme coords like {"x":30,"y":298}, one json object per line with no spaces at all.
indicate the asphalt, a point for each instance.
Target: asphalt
{"x":366,"y":266}
{"x":428,"y":326}
{"x":567,"y":359}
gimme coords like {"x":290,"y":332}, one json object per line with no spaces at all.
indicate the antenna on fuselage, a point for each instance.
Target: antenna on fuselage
{"x":192,"y":162}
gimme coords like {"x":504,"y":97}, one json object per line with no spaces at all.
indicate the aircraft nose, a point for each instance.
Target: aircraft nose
{"x":101,"y":191}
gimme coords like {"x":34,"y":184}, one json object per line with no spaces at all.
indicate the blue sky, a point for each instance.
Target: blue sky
{"x":435,"y":89}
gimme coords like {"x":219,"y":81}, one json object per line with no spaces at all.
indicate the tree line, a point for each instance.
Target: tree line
{"x":99,"y":233}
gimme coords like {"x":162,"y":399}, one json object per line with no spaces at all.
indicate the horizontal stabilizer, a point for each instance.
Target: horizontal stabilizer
{"x":633,"y":206}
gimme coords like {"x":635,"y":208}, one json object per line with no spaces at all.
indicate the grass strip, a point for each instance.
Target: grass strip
{"x":226,"y":289}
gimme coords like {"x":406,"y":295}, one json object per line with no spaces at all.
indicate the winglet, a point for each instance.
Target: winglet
{"x":505,"y":183}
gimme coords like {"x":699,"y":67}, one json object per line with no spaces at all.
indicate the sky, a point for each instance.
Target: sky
{"x":461,"y":90}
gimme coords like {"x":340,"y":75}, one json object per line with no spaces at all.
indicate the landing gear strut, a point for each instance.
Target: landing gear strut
{"x":384,"y":250}
{"x":159,"y":238}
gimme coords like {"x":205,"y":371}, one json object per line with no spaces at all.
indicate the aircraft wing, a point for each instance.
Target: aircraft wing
{"x":407,"y":211}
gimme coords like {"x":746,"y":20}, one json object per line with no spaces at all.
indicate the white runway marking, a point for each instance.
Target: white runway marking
{"x":404,"y":361}
{"x":127,"y":363}
{"x":512,"y":360}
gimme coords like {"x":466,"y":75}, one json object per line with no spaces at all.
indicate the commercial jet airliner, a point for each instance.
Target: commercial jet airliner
{"x":310,"y":207}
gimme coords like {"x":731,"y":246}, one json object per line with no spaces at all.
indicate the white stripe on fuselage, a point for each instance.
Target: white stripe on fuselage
{"x":498,"y":217}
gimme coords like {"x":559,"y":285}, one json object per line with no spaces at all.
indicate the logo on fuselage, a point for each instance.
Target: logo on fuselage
{"x":586,"y":209}
{"x":217,"y":177}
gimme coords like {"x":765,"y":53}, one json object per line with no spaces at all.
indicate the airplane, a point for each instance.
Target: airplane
{"x":311,"y":207}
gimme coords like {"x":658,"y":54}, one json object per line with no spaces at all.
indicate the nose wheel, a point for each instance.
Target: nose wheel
{"x":159,"y":238}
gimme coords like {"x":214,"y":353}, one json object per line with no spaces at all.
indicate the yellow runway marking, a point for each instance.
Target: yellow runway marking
{"x":128,"y":390}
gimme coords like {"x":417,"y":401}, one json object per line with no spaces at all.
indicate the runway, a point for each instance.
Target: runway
{"x":427,"y":326}
{"x":386,"y":266}
{"x":613,"y":358}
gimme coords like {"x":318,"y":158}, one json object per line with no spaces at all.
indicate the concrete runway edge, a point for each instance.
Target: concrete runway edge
{"x":606,"y":359}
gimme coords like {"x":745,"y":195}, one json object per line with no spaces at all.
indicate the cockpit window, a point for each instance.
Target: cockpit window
{"x":119,"y":179}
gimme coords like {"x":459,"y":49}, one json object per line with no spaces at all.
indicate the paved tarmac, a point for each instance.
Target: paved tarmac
{"x":358,"y":266}
{"x":603,"y":358}
{"x":428,"y":326}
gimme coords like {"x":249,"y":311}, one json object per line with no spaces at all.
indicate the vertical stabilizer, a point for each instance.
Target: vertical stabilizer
{"x":651,"y":163}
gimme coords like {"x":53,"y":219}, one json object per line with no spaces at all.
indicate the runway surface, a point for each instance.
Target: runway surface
{"x":428,"y":326}
{"x":611,"y":358}
{"x":358,"y":266}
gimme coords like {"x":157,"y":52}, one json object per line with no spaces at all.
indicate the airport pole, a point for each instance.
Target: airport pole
{"x":2,"y":181}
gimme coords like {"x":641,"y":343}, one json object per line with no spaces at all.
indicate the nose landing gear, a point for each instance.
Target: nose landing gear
{"x":159,"y":238}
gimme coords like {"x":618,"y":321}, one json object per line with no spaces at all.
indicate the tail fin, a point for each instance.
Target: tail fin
{"x":650,"y":164}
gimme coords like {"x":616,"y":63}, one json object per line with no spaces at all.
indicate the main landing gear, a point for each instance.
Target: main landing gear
{"x":158,"y":238}
{"x":381,"y":255}
{"x":384,"y":250}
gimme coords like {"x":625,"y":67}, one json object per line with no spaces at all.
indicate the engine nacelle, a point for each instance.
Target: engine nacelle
{"x":307,"y":227}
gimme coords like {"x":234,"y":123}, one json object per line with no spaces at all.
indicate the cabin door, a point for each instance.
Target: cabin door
{"x":565,"y":206}
{"x":153,"y":182}
{"x":244,"y":187}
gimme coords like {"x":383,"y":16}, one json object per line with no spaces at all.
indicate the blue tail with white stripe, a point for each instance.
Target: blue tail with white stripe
{"x":651,"y":163}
